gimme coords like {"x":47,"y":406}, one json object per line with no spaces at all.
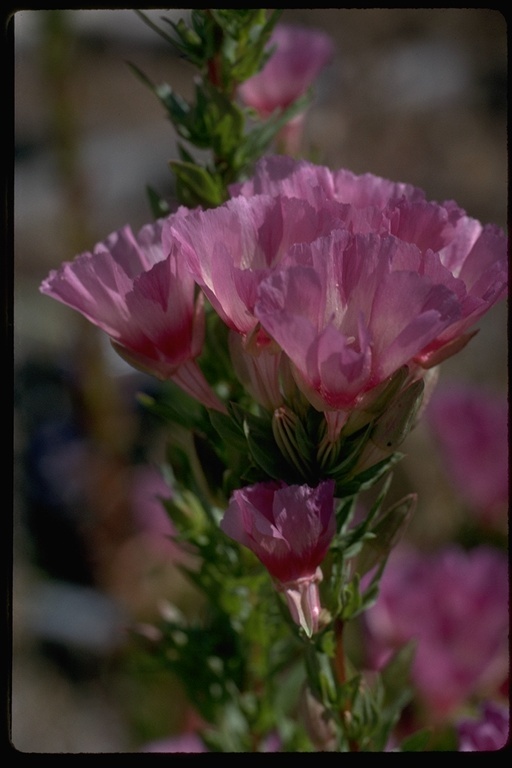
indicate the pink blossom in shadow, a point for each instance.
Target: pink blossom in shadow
{"x":470,"y":426}
{"x":487,"y":733}
{"x":300,"y":54}
{"x":143,"y":297}
{"x":454,"y":605}
{"x":289,"y":529}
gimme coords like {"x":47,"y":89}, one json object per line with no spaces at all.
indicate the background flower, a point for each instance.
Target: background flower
{"x":454,"y":605}
{"x":300,"y":54}
{"x":486,"y":733}
{"x":470,"y":426}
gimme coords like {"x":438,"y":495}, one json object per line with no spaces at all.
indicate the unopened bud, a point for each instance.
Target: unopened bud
{"x":374,"y":402}
{"x":286,"y":428}
{"x":396,"y":422}
{"x":392,"y":427}
{"x":303,"y":599}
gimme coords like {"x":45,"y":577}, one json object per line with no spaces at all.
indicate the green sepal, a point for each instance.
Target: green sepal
{"x":366,"y":479}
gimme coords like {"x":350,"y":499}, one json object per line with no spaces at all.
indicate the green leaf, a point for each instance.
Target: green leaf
{"x":396,"y":676}
{"x":197,"y":184}
{"x":229,"y":430}
{"x":417,"y":742}
{"x":366,"y":479}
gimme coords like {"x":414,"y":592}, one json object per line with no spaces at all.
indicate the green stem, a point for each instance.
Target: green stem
{"x":341,"y":676}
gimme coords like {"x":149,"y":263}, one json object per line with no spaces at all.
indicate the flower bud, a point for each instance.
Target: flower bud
{"x":374,"y":402}
{"x":285,"y":427}
{"x":393,"y":426}
{"x":303,"y":599}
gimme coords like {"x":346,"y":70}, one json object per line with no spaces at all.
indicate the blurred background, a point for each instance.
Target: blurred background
{"x":415,"y":95}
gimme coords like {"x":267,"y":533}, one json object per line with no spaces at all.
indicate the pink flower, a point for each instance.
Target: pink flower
{"x":396,"y":281}
{"x":289,"y":529}
{"x":349,"y":310}
{"x":229,"y":250}
{"x":300,"y":55}
{"x":186,"y":742}
{"x":468,"y":258}
{"x":471,"y":428}
{"x":454,"y":604}
{"x":143,"y":297}
{"x":488,"y":733}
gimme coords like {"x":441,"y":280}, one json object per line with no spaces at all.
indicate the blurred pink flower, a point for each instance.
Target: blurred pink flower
{"x":191,"y":742}
{"x":289,"y":529}
{"x":300,"y":55}
{"x":149,"y":491}
{"x":186,"y":742}
{"x":454,"y":604}
{"x":470,"y":425}
{"x":487,"y":733}
{"x":144,"y":299}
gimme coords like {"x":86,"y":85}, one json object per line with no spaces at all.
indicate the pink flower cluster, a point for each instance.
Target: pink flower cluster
{"x":341,"y":278}
{"x":329,"y":284}
{"x":454,"y":605}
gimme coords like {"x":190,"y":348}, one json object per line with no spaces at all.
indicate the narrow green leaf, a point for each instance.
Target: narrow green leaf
{"x":199,"y":181}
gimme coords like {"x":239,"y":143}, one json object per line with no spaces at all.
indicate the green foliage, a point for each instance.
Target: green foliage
{"x":226,"y":47}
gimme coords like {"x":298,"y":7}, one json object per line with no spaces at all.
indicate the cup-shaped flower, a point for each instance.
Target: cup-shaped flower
{"x":143,"y":297}
{"x":350,"y":310}
{"x":289,"y":528}
{"x":454,"y":604}
{"x":466,"y":256}
{"x":299,"y":55}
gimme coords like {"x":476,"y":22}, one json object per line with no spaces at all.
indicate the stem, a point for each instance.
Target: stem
{"x":341,"y":675}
